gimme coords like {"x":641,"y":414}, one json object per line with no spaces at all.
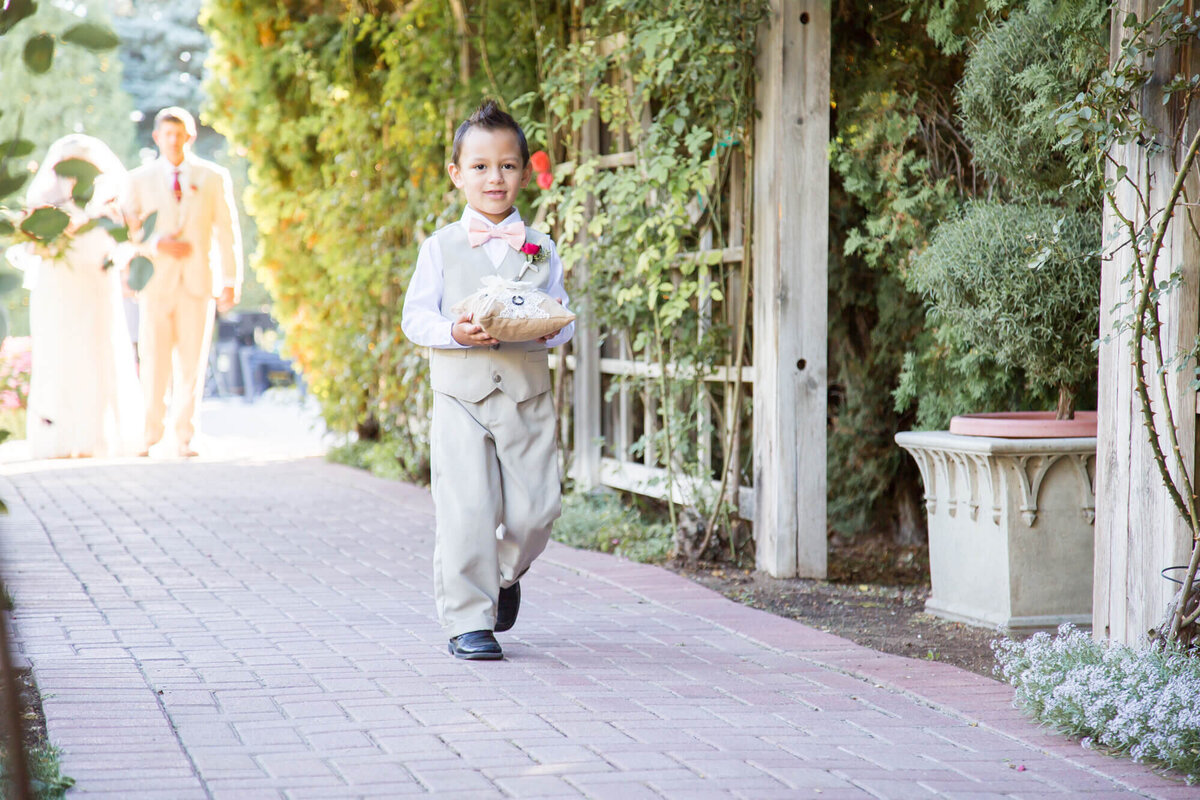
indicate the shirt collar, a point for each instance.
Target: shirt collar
{"x":169,"y":168}
{"x":470,"y":214}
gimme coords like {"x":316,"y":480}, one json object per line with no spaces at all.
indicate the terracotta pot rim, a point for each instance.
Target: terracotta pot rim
{"x":1025,"y":425}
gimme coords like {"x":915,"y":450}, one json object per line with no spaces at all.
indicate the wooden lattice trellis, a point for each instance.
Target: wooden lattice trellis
{"x":786,"y":374}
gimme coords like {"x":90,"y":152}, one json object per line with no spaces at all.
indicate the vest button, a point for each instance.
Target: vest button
{"x":495,"y":377}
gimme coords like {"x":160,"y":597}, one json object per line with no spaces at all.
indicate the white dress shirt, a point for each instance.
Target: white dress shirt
{"x":149,"y":247}
{"x":169,"y":172}
{"x":422,"y":319}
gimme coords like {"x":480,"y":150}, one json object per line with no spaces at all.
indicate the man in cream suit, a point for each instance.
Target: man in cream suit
{"x":196,"y":249}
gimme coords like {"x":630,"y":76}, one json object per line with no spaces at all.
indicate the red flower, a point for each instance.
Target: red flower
{"x":540,"y":161}
{"x":545,"y":180}
{"x":530,"y":249}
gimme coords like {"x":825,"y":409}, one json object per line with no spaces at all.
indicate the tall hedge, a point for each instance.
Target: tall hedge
{"x":345,"y":117}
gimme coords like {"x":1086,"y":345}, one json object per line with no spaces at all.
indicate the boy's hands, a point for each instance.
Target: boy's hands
{"x":550,"y":336}
{"x":468,"y":334}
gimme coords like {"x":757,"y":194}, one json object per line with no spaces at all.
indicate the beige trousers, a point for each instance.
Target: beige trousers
{"x":493,"y":462}
{"x":173,"y":341}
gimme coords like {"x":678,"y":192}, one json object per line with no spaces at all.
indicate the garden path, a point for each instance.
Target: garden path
{"x":245,"y":627}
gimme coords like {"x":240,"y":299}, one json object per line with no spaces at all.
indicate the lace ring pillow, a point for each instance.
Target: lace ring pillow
{"x":513,"y":311}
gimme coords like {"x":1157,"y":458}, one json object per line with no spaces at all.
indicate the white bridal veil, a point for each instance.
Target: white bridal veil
{"x":48,"y":188}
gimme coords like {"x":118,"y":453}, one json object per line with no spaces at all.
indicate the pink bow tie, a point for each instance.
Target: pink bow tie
{"x":513,"y":233}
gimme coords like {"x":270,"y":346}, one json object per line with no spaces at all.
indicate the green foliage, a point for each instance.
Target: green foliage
{"x":345,"y":118}
{"x":901,"y":164}
{"x":45,"y":223}
{"x":683,"y":107}
{"x":1021,"y":284}
{"x":943,"y":376}
{"x":12,"y":424}
{"x":392,"y":458}
{"x":43,"y":105}
{"x":898,"y":166}
{"x":96,"y":38}
{"x":141,"y":270}
{"x":39,"y":53}
{"x":80,"y":93}
{"x":602,"y":521}
{"x":1019,"y":73}
{"x":84,"y":174}
{"x":46,"y":778}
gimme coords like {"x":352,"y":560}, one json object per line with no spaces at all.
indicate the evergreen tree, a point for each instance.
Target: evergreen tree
{"x":163,"y":49}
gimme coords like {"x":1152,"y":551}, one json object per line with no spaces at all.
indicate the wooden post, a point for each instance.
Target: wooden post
{"x":791,"y":205}
{"x":586,"y":344}
{"x":1138,"y":529}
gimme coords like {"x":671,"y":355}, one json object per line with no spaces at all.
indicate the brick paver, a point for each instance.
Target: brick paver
{"x":265,"y":629}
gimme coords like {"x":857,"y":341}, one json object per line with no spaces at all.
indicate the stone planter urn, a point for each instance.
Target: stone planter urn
{"x":1010,"y":526}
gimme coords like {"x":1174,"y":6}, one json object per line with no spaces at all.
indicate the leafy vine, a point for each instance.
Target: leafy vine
{"x":672,"y":84}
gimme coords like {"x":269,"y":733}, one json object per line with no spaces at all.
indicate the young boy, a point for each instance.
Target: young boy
{"x":495,"y":468}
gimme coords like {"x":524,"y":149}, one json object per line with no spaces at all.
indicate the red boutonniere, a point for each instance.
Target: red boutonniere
{"x":533,"y":253}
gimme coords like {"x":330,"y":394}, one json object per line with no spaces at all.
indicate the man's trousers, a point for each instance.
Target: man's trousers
{"x":173,"y":343}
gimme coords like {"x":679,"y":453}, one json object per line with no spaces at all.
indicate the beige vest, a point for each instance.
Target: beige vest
{"x":519,"y":369}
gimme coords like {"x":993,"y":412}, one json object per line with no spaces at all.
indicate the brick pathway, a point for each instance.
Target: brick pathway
{"x":265,"y":629}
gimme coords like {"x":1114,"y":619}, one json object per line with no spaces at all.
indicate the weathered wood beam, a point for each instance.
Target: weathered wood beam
{"x":1138,"y":529}
{"x":791,"y":203}
{"x":586,"y":408}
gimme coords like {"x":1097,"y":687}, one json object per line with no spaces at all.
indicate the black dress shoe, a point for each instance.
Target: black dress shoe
{"x":476,"y":646}
{"x":507,"y":607}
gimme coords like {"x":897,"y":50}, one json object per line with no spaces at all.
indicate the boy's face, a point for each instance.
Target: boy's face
{"x":490,"y":171}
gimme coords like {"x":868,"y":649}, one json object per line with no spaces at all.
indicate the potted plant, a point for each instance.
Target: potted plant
{"x":1016,"y":279}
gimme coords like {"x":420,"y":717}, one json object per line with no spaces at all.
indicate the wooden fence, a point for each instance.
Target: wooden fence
{"x":614,"y":405}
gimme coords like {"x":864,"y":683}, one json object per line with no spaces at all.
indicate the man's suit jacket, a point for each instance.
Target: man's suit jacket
{"x":206,"y":217}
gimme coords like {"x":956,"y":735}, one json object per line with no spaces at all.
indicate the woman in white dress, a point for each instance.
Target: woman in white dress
{"x":84,"y":397}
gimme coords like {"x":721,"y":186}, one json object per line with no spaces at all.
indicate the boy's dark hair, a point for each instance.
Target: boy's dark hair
{"x":490,"y":117}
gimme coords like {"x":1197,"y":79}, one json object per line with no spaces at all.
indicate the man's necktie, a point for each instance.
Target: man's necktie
{"x":177,"y":188}
{"x":513,"y":234}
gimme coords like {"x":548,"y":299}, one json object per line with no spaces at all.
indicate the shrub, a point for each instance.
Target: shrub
{"x":392,"y":458}
{"x":1021,"y":285}
{"x":1014,"y":281}
{"x":1019,"y":73}
{"x":343,"y":113}
{"x":600,"y":521}
{"x":1136,"y":701}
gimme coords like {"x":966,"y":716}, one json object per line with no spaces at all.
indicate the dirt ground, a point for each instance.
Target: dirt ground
{"x":875,"y":596}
